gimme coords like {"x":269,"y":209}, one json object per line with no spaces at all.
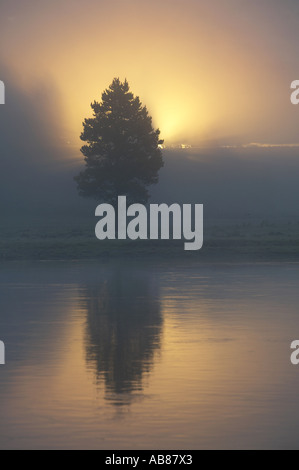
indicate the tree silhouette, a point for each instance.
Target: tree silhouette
{"x":122,"y":153}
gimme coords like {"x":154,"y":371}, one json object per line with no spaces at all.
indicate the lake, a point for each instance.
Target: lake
{"x":149,"y":355}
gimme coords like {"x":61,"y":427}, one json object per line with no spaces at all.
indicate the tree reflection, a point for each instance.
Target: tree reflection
{"x":123,"y":330}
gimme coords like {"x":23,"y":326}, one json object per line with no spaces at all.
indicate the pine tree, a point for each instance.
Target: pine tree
{"x":122,"y":153}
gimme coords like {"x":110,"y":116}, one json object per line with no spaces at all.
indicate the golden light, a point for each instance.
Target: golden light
{"x":196,"y":80}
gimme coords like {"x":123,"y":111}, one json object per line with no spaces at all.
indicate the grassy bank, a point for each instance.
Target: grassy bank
{"x":58,"y":239}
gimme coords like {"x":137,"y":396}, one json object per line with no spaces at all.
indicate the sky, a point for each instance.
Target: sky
{"x":211,"y":73}
{"x":215,"y":75}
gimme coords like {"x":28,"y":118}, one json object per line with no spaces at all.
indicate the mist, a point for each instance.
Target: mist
{"x":242,"y":182}
{"x":36,"y":169}
{"x":38,"y":166}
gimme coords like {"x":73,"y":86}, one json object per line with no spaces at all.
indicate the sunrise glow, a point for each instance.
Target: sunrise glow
{"x":198,"y":82}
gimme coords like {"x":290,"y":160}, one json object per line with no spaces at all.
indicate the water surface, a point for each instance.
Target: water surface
{"x":120,"y":355}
